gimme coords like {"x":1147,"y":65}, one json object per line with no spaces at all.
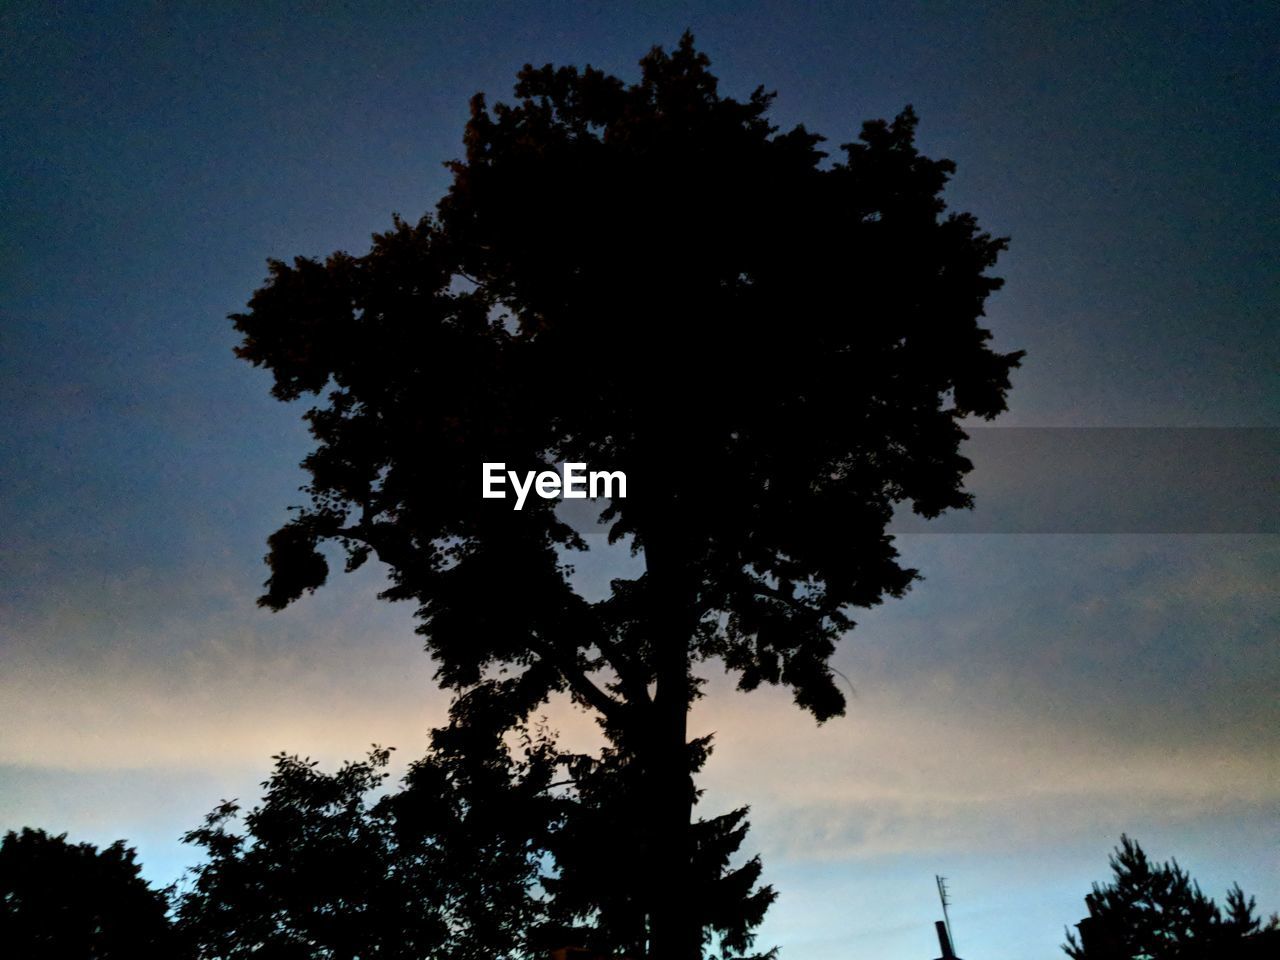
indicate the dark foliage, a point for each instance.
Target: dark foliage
{"x":1154,"y":911}
{"x":777,"y":350}
{"x":72,"y":901}
{"x":327,"y":868}
{"x":606,"y":829}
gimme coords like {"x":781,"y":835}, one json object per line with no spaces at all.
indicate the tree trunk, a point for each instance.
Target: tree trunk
{"x":675,"y":927}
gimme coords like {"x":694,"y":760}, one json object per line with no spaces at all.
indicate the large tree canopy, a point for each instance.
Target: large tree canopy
{"x":776,"y":348}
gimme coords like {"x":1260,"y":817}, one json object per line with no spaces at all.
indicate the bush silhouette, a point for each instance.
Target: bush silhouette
{"x":72,"y":901}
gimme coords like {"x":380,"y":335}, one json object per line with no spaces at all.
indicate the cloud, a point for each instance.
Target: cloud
{"x":901,"y":775}
{"x":1031,"y":689}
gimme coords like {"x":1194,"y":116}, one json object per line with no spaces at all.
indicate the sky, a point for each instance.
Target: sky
{"x":1043,"y":689}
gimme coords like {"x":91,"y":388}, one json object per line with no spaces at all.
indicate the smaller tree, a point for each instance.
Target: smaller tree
{"x":326,"y":869}
{"x":597,"y":836}
{"x":1157,"y":912}
{"x":71,"y":900}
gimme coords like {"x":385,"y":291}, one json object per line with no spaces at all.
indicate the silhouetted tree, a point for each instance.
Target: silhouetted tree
{"x":649,"y":278}
{"x":596,"y":838}
{"x":72,"y":901}
{"x":329,"y":869}
{"x":1156,"y":912}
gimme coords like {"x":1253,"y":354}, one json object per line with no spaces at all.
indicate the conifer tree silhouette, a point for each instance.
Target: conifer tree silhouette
{"x":1156,"y":911}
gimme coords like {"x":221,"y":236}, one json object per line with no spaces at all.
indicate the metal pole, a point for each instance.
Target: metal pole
{"x":942,"y":895}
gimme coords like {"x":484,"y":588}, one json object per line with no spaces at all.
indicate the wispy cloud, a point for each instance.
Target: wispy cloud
{"x":901,"y":776}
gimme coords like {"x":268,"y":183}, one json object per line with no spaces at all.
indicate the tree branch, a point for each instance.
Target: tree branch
{"x":582,"y":685}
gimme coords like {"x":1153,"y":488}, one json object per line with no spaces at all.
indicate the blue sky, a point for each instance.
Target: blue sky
{"x":1032,"y":698}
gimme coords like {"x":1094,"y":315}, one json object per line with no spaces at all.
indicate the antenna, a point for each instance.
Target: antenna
{"x":942,"y":895}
